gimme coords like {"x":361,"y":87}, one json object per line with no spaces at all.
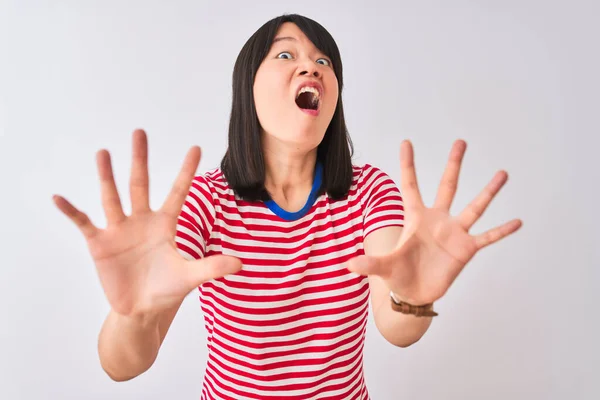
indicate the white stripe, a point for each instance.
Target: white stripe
{"x":292,"y":357}
{"x":189,"y":244}
{"x":298,"y":312}
{"x":302,"y":334}
{"x":255,"y":293}
{"x":289,"y":325}
{"x":301,"y":392}
{"x":287,"y":347}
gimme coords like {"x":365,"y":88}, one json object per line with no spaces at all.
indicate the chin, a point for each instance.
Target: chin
{"x":308,"y":136}
{"x":302,"y":139}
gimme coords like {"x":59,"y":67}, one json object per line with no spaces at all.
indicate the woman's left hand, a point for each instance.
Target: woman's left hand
{"x":434,"y":246}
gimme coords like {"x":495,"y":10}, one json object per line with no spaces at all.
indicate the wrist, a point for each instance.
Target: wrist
{"x":404,"y":307}
{"x":400,"y":299}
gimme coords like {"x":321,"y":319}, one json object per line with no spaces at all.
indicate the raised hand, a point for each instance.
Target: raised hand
{"x":434,"y":246}
{"x":136,"y":257}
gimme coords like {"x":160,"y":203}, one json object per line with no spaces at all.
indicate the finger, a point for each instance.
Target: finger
{"x":477,"y":207}
{"x":80,"y":219}
{"x":410,"y":189}
{"x":369,"y":265}
{"x":111,"y":201}
{"x":138,"y":182}
{"x":500,"y":232}
{"x":449,"y":182}
{"x":181,"y":187}
{"x":213,"y":267}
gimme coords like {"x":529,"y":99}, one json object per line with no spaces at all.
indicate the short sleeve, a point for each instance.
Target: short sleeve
{"x":195,"y":222}
{"x":381,"y":200}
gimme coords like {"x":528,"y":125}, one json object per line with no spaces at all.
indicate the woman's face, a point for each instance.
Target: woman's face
{"x":295,"y":90}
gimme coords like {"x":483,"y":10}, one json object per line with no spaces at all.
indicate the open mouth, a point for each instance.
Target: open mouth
{"x":308,"y":98}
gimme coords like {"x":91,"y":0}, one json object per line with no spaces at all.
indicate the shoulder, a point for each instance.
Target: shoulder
{"x":210,"y":183}
{"x":366,"y":174}
{"x":211,"y":177}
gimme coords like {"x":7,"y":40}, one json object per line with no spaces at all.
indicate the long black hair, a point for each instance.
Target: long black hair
{"x":243,"y":164}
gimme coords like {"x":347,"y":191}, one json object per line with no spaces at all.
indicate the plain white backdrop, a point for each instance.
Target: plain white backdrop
{"x":516,"y":79}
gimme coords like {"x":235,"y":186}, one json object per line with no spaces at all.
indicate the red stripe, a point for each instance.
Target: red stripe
{"x":307,"y":238}
{"x":230,"y":306}
{"x":264,"y":298}
{"x":295,"y":330}
{"x":294,"y":342}
{"x":306,"y":351}
{"x":188,"y":250}
{"x":231,"y":368}
{"x":290,"y":387}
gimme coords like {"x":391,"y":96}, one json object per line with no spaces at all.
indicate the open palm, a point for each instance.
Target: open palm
{"x":434,"y":246}
{"x":136,"y":257}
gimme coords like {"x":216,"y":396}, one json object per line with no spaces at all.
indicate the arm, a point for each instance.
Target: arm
{"x":399,"y":329}
{"x":128,"y":347}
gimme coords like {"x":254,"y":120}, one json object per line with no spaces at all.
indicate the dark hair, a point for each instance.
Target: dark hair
{"x":243,"y":164}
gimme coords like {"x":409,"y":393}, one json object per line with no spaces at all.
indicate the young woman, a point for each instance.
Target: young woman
{"x":287,"y":241}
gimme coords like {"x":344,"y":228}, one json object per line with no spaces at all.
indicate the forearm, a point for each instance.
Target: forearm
{"x":127,"y":347}
{"x":399,"y":329}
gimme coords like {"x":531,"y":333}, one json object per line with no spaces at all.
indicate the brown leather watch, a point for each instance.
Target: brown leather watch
{"x":425,"y":310}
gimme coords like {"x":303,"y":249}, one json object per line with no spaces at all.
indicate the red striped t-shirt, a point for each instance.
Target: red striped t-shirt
{"x":291,"y":324}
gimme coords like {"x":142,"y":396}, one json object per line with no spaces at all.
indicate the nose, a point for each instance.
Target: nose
{"x":314,"y":73}
{"x":309,"y":68}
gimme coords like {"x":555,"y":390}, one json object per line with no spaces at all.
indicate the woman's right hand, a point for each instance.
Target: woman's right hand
{"x":139,"y":266}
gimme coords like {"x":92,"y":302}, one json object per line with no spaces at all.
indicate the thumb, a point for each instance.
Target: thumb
{"x":213,"y":267}
{"x":367,"y":265}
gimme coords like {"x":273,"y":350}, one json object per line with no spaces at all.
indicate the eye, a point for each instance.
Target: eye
{"x":325,"y":61}
{"x":284,"y":53}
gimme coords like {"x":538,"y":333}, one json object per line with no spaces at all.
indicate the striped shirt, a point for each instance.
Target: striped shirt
{"x":291,"y":324}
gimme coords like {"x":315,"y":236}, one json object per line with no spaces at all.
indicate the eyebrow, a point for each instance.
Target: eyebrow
{"x":278,"y":39}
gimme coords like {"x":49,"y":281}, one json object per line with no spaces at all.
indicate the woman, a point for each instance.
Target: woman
{"x":287,"y":241}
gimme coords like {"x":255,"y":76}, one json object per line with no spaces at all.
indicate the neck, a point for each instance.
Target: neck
{"x":289,"y":167}
{"x":284,"y":174}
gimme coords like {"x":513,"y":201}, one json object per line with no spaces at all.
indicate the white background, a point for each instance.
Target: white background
{"x":516,"y":79}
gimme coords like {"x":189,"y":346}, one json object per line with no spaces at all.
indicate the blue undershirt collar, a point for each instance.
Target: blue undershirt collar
{"x":291,"y":216}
